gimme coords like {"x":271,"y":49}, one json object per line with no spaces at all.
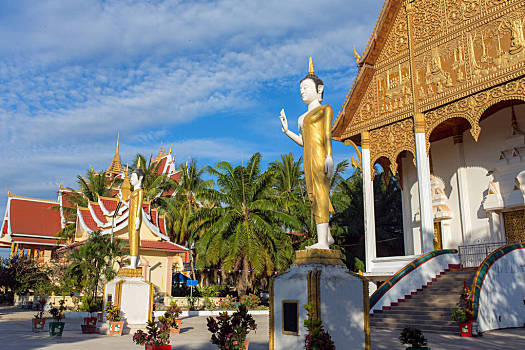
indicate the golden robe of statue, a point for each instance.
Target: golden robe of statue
{"x":317,"y":145}
{"x":136,"y":199}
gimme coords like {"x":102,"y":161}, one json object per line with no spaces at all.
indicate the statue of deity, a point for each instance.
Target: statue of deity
{"x":136,"y":198}
{"x":316,"y":139}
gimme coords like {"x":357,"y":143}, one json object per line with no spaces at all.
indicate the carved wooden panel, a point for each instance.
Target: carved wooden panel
{"x":428,"y":19}
{"x":391,"y":140}
{"x":367,"y":107}
{"x":394,"y":91}
{"x":397,"y":42}
{"x":514,"y":225}
{"x":473,"y":107}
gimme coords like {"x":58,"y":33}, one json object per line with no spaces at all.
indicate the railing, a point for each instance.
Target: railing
{"x":473,"y":255}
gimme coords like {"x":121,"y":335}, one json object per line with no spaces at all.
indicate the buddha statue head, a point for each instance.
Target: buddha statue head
{"x":311,"y":86}
{"x":136,"y":178}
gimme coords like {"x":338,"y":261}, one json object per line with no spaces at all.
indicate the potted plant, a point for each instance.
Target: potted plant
{"x":229,"y":332}
{"x":414,"y":337}
{"x":170,"y":318}
{"x":90,"y":323}
{"x":463,"y":314}
{"x":317,"y":338}
{"x":38,"y":319}
{"x":155,"y":338}
{"x":57,"y":326}
{"x":116,"y":325}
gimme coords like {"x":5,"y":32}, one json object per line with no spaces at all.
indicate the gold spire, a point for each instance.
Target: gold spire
{"x":357,"y":56}
{"x":125,"y":188}
{"x":115,"y":168}
{"x":138,"y":164}
{"x":170,"y":150}
{"x":311,"y":66}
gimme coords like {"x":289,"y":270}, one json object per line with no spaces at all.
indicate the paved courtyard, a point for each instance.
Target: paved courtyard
{"x":15,"y":333}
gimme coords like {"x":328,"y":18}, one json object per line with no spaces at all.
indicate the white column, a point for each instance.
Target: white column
{"x":368,"y":202}
{"x":423,"y":181}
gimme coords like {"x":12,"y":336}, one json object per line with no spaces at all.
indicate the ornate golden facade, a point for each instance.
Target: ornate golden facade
{"x":443,"y":58}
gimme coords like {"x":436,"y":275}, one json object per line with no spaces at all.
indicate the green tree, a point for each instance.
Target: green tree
{"x":92,"y":186}
{"x":21,"y":275}
{"x":94,"y":261}
{"x":180,"y":207}
{"x":244,"y":230}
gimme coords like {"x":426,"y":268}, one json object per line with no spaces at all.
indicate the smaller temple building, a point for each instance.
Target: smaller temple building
{"x":30,"y":225}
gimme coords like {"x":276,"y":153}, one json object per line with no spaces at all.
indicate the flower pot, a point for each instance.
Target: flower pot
{"x":56,"y":328}
{"x":465,"y":328}
{"x":245,"y":345}
{"x":90,"y":321}
{"x":115,"y":328}
{"x":176,"y":330}
{"x":88,"y":329}
{"x":158,"y":347}
{"x":38,"y":324}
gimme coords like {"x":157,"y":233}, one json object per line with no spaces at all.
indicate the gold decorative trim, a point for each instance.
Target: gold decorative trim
{"x":282,"y":313}
{"x":365,"y":139}
{"x":272,"y":316}
{"x":314,"y":292}
{"x":125,"y":272}
{"x":366,"y":314}
{"x":318,"y":256}
{"x":419,"y":123}
{"x":118,"y":293}
{"x":150,"y":308}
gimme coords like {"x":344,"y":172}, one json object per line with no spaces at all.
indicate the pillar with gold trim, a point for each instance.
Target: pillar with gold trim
{"x":339,"y":298}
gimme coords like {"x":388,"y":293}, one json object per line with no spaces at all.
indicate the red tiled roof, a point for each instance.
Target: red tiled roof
{"x":98,"y":212}
{"x":162,"y":226}
{"x":4,"y":228}
{"x":66,"y":202}
{"x":34,"y":217}
{"x":88,"y":220}
{"x":176,"y":176}
{"x":160,"y":245}
{"x":109,"y":204}
{"x":146,"y":207}
{"x":37,"y":241}
{"x":162,"y":164}
{"x":154,"y":216}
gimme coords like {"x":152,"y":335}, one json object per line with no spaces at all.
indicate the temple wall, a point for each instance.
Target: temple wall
{"x":481,"y":158}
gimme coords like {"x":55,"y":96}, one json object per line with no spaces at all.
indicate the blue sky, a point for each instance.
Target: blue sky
{"x":208,"y":77}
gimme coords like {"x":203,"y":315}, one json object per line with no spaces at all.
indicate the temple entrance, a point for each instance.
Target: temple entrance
{"x":388,"y":214}
{"x":514,"y":222}
{"x":438,"y":238}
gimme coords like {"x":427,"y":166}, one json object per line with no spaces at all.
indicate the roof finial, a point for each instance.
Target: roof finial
{"x":138,"y":163}
{"x":357,"y":56}
{"x":170,"y":150}
{"x":311,"y":66}
{"x":118,"y":138}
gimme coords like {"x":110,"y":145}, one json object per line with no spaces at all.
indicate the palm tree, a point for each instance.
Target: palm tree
{"x":92,"y":186}
{"x":154,"y":184}
{"x":183,"y":203}
{"x":244,"y":230}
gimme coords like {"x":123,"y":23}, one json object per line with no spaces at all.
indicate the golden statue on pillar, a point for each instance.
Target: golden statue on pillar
{"x":316,"y":139}
{"x":136,"y":198}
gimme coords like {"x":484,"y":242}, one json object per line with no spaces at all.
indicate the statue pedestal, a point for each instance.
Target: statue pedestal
{"x":133,"y":295}
{"x":339,"y":298}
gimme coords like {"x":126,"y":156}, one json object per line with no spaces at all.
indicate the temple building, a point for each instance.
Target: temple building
{"x":439,"y":102}
{"x":30,"y":225}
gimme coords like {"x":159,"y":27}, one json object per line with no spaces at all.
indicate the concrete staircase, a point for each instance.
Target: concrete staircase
{"x":429,"y":309}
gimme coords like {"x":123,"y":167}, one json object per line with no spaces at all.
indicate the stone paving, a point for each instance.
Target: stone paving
{"x":15,"y":333}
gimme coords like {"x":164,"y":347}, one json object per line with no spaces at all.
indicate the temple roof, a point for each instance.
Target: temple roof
{"x":31,"y":220}
{"x":366,"y":64}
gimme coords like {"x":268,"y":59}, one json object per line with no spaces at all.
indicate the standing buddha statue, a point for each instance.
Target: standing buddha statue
{"x":136,"y":198}
{"x":315,"y":138}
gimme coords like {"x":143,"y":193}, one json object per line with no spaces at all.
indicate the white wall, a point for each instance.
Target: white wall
{"x":503,"y":292}
{"x":480,"y":158}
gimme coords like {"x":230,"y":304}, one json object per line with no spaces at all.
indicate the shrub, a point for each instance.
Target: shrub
{"x":229,"y":332}
{"x":317,"y":338}
{"x":227,"y":303}
{"x":170,"y":316}
{"x":58,"y":312}
{"x":251,"y":301}
{"x":112,"y":313}
{"x":40,"y":307}
{"x":412,"y":336}
{"x":154,"y":334}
